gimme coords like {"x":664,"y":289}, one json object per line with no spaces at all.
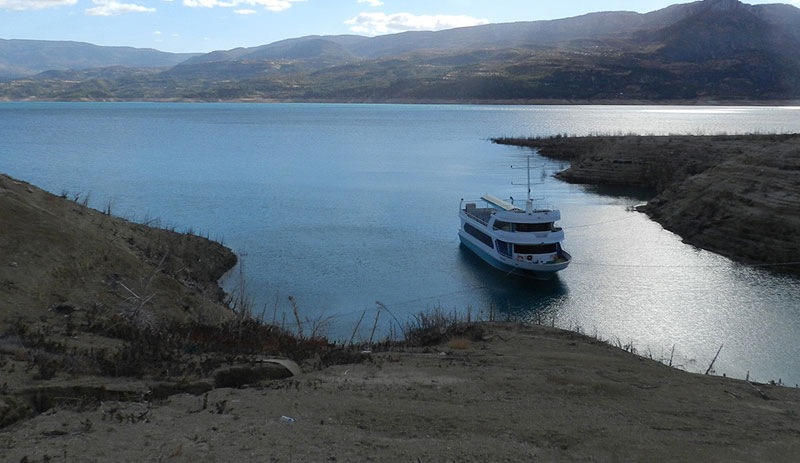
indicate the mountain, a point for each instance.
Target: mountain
{"x":19,"y":58}
{"x":705,"y":50}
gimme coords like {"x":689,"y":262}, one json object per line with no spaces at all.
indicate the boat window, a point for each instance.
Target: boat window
{"x":483,"y":237}
{"x":535,"y":249}
{"x":503,"y":248}
{"x":500,"y":225}
{"x":533,"y":227}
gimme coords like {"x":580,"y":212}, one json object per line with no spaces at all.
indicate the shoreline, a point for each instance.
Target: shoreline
{"x":535,"y":102}
{"x":111,"y":349}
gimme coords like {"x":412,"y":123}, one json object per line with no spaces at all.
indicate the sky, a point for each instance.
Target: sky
{"x":200,"y":26}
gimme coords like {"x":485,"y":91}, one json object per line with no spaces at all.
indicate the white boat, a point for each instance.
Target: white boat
{"x":518,"y":241}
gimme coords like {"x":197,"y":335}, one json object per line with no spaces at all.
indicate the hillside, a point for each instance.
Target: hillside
{"x":22,"y":58}
{"x":709,"y":50}
{"x":60,"y":257}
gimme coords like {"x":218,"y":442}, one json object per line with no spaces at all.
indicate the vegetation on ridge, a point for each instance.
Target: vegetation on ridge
{"x":712,"y":50}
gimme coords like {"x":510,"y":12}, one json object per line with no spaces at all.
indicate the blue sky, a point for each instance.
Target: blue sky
{"x":207,"y":25}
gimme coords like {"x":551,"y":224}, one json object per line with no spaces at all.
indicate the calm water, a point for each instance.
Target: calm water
{"x":345,"y":206}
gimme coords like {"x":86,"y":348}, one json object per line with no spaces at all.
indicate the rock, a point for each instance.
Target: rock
{"x":13,"y":409}
{"x":164,"y":389}
{"x":242,"y":375}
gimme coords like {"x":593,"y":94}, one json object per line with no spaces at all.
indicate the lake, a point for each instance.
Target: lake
{"x":352,"y":211}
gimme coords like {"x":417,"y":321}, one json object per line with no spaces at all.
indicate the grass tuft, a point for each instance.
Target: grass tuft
{"x":438,"y":326}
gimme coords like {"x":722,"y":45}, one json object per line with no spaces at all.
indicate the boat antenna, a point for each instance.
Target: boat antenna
{"x":528,"y":169}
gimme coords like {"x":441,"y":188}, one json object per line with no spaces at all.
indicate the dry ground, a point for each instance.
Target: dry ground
{"x":517,"y":394}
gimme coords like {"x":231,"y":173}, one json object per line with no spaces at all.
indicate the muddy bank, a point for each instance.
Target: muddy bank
{"x":736,"y":195}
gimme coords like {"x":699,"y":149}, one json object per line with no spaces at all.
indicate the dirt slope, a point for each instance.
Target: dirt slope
{"x":519,"y":394}
{"x":58,"y":257}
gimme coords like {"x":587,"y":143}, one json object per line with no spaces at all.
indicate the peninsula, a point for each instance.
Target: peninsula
{"x":736,"y":195}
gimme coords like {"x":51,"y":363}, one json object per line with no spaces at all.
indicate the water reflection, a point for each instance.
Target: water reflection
{"x":512,"y":296}
{"x":621,"y":192}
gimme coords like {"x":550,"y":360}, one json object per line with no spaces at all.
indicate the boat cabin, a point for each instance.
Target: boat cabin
{"x":524,"y":235}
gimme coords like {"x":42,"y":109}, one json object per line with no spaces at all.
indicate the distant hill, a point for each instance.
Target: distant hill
{"x":705,"y":50}
{"x":20,"y":58}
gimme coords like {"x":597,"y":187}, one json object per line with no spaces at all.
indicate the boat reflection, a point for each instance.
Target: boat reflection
{"x":512,"y":297}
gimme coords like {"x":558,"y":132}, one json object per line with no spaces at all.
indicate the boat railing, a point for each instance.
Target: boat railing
{"x":537,"y":207}
{"x":483,"y":214}
{"x":480,"y":214}
{"x":478,"y":218}
{"x":514,"y":204}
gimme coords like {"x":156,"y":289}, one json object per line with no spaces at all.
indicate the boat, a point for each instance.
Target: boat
{"x":524,"y":242}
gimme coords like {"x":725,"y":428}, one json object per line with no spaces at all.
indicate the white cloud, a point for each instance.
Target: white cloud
{"x":272,"y":5}
{"x":382,"y":23}
{"x":34,"y":4}
{"x":372,"y":2}
{"x":245,"y":11}
{"x":114,"y":8}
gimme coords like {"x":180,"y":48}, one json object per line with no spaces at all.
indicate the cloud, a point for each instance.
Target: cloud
{"x":34,"y":4}
{"x":382,"y":23}
{"x":272,"y":5}
{"x":245,"y":11}
{"x":114,"y":8}
{"x":372,"y":2}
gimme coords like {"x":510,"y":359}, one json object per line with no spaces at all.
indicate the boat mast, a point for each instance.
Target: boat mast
{"x":528,"y":157}
{"x":529,"y":201}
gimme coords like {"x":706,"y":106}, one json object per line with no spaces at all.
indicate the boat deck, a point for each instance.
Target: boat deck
{"x":481,"y":214}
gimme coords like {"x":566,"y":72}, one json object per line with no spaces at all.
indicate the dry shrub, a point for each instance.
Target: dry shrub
{"x":437,"y":326}
{"x":459,"y":343}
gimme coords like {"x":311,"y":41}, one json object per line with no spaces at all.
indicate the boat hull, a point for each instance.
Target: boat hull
{"x":537,"y":272}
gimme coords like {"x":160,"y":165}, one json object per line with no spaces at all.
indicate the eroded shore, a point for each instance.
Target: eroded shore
{"x":736,"y":195}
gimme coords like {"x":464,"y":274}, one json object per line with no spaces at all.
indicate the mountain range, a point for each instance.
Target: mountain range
{"x":709,"y":50}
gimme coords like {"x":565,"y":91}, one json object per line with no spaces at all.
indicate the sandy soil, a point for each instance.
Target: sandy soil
{"x":518,"y":394}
